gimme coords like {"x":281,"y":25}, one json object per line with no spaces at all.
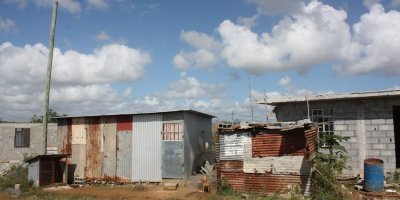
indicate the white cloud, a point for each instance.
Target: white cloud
{"x":286,"y":82}
{"x":100,"y":4}
{"x":199,"y":40}
{"x":200,"y":59}
{"x":81,"y":83}
{"x":248,"y":21}
{"x":190,"y":88}
{"x":7,"y":25}
{"x":103,"y":36}
{"x":377,"y":35}
{"x":71,"y":6}
{"x":110,"y":63}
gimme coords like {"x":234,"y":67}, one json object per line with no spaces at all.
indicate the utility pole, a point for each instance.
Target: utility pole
{"x":232,"y":118}
{"x":251,"y":102}
{"x":266,"y":107}
{"x":48,"y":77}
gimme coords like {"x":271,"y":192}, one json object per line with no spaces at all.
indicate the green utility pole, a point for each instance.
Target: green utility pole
{"x":48,"y":77}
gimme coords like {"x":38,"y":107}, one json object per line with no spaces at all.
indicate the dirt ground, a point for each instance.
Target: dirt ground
{"x":132,"y":192}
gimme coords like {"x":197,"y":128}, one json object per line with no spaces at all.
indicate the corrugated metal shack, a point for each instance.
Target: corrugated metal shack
{"x":48,"y":169}
{"x":143,"y":147}
{"x":267,"y":158}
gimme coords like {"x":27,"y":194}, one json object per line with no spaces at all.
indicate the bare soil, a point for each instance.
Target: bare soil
{"x":133,"y":192}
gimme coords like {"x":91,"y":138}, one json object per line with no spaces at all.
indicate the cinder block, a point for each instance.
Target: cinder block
{"x":385,"y":127}
{"x":385,"y":140}
{"x":373,"y":152}
{"x":341,"y":127}
{"x":355,"y":158}
{"x":371,"y":140}
{"x":371,"y":127}
{"x":368,"y":134}
{"x":350,"y":122}
{"x":352,"y":152}
{"x":339,"y":122}
{"x":378,"y":146}
{"x":391,"y":159}
{"x":352,"y":127}
{"x":378,"y":134}
{"x":378,"y":121}
{"x":390,"y":147}
{"x":389,"y":121}
{"x":390,"y":165}
{"x":368,"y":146}
{"x":386,"y":153}
{"x":352,"y":139}
{"x":390,"y":134}
{"x":347,"y":133}
{"x":352,"y":164}
{"x":354,"y":146}
{"x":367,"y":121}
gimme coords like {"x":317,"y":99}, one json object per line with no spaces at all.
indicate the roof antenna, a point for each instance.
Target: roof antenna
{"x":251,"y":103}
{"x":266,"y":107}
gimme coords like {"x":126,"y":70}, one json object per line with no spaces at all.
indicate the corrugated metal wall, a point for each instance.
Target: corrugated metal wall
{"x":146,"y":148}
{"x":93,"y":155}
{"x":124,"y":156}
{"x":257,"y":162}
{"x":109,"y":148}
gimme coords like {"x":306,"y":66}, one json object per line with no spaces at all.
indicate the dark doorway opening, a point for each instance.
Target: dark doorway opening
{"x":396,"y":124}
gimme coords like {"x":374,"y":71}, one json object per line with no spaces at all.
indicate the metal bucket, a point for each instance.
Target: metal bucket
{"x":373,"y":175}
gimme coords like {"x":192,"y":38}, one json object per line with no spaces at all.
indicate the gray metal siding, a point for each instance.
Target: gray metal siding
{"x":78,"y":159}
{"x":124,"y":156}
{"x":33,"y":173}
{"x":109,"y":147}
{"x":197,"y":132}
{"x":146,"y":148}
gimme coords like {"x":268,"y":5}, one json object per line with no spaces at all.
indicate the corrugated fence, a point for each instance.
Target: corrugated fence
{"x":266,"y":160}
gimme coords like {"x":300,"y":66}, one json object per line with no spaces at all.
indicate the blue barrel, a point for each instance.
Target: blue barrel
{"x":373,"y":175}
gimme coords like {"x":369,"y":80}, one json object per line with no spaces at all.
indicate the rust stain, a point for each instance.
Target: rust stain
{"x":93,"y":156}
{"x":288,"y":143}
{"x":66,"y":147}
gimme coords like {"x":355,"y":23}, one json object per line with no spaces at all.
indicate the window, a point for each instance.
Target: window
{"x":22,"y":137}
{"x":172,"y":132}
{"x":323,"y":118}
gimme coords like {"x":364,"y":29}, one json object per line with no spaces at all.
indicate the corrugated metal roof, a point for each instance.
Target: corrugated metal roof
{"x":327,"y":97}
{"x":138,"y":113}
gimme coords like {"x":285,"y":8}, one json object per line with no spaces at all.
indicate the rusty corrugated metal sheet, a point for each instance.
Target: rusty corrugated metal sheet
{"x":267,"y":160}
{"x":78,"y":159}
{"x":93,"y":155}
{"x":312,"y":142}
{"x":124,"y":123}
{"x":64,"y":132}
{"x":78,"y":131}
{"x":124,"y":156}
{"x":232,"y":172}
{"x":110,"y":146}
{"x":291,"y":142}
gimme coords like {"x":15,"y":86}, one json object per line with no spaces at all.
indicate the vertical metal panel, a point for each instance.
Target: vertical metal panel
{"x":124,"y":156}
{"x":146,"y":148}
{"x":110,"y":153}
{"x":93,"y":156}
{"x":172,"y":159}
{"x":124,"y":123}
{"x":33,"y":173}
{"x":78,"y":160}
{"x":64,"y":132}
{"x":78,"y":131}
{"x":231,"y":146}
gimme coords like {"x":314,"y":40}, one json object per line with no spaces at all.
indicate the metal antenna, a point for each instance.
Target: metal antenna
{"x":251,"y":102}
{"x":48,"y":78}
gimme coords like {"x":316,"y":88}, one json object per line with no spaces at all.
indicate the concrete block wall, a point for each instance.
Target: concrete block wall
{"x":7,"y":136}
{"x":368,"y":123}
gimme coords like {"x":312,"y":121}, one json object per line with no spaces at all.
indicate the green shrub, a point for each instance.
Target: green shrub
{"x":18,"y":175}
{"x":224,"y":188}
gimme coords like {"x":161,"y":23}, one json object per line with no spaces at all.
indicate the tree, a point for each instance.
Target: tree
{"x":329,"y":163}
{"x":52,"y":114}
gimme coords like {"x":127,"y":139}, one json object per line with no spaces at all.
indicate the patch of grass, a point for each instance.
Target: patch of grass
{"x":38,"y":194}
{"x":225,"y":189}
{"x":18,"y":175}
{"x":392,"y":177}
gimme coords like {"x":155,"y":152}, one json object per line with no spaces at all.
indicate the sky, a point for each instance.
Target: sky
{"x":131,"y":56}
